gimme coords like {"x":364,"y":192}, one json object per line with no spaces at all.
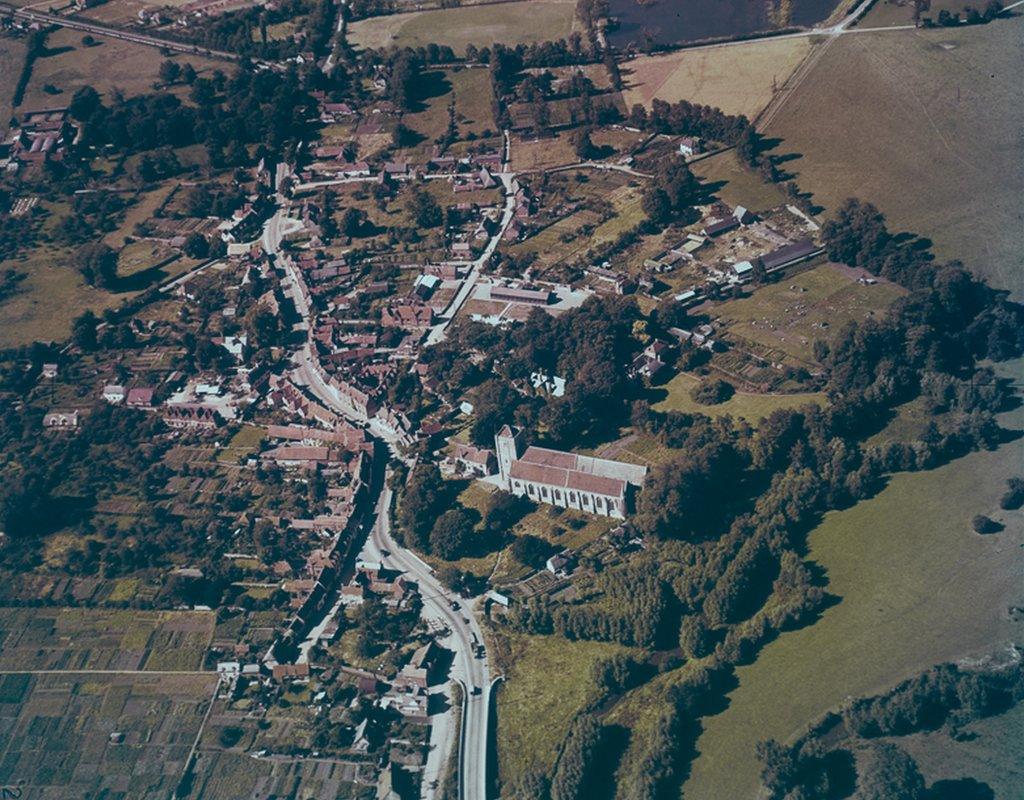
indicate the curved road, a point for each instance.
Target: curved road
{"x":465,"y":637}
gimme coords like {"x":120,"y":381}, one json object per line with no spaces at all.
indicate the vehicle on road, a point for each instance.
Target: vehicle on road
{"x":476,"y":690}
{"x":455,"y":605}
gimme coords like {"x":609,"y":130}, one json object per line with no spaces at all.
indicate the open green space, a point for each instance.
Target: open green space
{"x":547,"y":682}
{"x":791,"y":313}
{"x":926,"y":125}
{"x":749,"y":406}
{"x":915,"y":587}
{"x":482,"y":26}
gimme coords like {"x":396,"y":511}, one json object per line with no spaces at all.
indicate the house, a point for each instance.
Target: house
{"x":567,"y":480}
{"x":140,"y":397}
{"x":651,"y":361}
{"x":290,"y":672}
{"x":407,"y":316}
{"x":425,"y":286}
{"x":509,"y":294}
{"x":49,"y":370}
{"x":61,"y":420}
{"x":744,"y":270}
{"x":789,"y":254}
{"x":113,"y":393}
{"x":477,"y":461}
{"x":690,"y":146}
{"x":191,"y":415}
{"x":551,"y":385}
{"x":559,"y":564}
{"x":719,"y":226}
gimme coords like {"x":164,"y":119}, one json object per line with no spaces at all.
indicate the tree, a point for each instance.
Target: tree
{"x":695,"y":637}
{"x":170,"y":71}
{"x":531,"y":550}
{"x":582,"y":144}
{"x":710,"y":393}
{"x":1014,"y":496}
{"x":451,"y":534}
{"x":984,"y":525}
{"x":196,"y":245}
{"x":83,"y":331}
{"x":657,"y":206}
{"x":188,"y":74}
{"x":420,"y":504}
{"x":352,"y":222}
{"x":263,"y":327}
{"x":424,"y":209}
{"x":97,"y":262}
{"x":889,"y":774}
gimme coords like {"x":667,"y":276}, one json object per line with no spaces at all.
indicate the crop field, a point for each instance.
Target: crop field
{"x":547,"y":682}
{"x":482,"y":26}
{"x":915,"y":587}
{"x":735,"y":184}
{"x":815,"y":304}
{"x":533,"y":155}
{"x":925,"y":124}
{"x":111,"y":64}
{"x":227,"y":775}
{"x":56,"y":733}
{"x":71,"y":638}
{"x":738,"y":78}
{"x":748,"y":406}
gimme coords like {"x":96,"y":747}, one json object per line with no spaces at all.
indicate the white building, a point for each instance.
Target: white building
{"x":567,"y":480}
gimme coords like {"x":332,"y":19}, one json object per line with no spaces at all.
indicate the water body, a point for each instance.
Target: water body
{"x":679,"y":21}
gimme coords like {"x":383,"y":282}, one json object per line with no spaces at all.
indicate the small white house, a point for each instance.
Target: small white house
{"x":690,"y":146}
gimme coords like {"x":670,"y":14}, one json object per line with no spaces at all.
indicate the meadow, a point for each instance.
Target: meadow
{"x":915,"y":587}
{"x":547,"y":682}
{"x":734,"y":183}
{"x":790,"y":314}
{"x":482,"y":26}
{"x":926,"y":125}
{"x":739,"y":78}
{"x":110,"y":64}
{"x":749,"y":406}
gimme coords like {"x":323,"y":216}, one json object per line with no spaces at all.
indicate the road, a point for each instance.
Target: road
{"x":472,"y":672}
{"x":114,"y":33}
{"x":506,"y":176}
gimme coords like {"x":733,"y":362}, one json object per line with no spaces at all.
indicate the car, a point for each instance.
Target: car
{"x":455,"y":605}
{"x":476,"y":690}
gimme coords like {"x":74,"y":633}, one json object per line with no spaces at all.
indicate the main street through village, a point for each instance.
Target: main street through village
{"x":452,"y":615}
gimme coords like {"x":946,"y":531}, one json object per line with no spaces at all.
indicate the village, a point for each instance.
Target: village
{"x":365,"y":403}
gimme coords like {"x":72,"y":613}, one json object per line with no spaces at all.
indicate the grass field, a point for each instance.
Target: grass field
{"x":112,"y":64}
{"x":547,"y":682}
{"x":751,"y":407}
{"x":735,"y":184}
{"x":57,"y":731}
{"x":71,"y":638}
{"x":916,"y":587}
{"x":815,"y":304}
{"x":991,"y":756}
{"x":901,"y":12}
{"x":12,"y":58}
{"x":471,"y":91}
{"x":483,"y":26}
{"x":737,"y":78}
{"x":926,"y":125}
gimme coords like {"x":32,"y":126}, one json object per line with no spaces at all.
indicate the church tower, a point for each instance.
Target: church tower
{"x":506,"y":446}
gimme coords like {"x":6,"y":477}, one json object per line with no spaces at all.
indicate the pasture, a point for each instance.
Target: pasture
{"x":59,"y":733}
{"x":915,"y":587}
{"x":469,"y":89}
{"x":926,"y":125}
{"x":73,"y":638}
{"x":482,"y":26}
{"x":739,"y":78}
{"x":733,"y":183}
{"x":110,"y":64}
{"x":12,"y":59}
{"x":790,"y":314}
